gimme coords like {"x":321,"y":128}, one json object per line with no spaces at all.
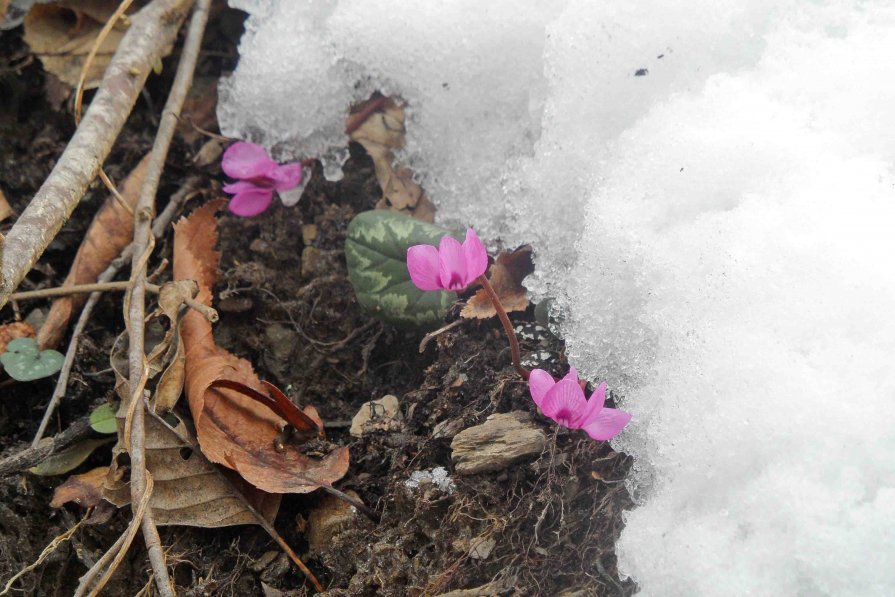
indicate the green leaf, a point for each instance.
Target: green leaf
{"x":376,"y":252}
{"x":24,"y":361}
{"x":102,"y":419}
{"x":69,"y":458}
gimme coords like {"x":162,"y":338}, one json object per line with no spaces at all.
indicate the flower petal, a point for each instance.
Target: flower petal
{"x":475,"y":255}
{"x":564,"y":402}
{"x":572,"y":374}
{"x":241,"y":186}
{"x":287,"y":176}
{"x":594,"y":404}
{"x":539,"y":383}
{"x":452,"y":264}
{"x":608,"y":423}
{"x":251,"y":203}
{"x":423,"y":266}
{"x":246,"y":160}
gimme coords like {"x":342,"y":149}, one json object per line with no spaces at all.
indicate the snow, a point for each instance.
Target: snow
{"x":717,"y":234}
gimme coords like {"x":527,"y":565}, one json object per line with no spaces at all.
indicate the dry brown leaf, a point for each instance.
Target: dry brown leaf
{"x":507,"y":273}
{"x":86,"y":490}
{"x":5,"y":208}
{"x":61,"y":34}
{"x":233,"y":429}
{"x":111,"y":231}
{"x":187,"y":489}
{"x":378,"y":125}
{"x":11,"y":331}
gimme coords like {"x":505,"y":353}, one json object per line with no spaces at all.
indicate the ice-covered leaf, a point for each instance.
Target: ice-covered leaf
{"x":24,"y":361}
{"x":376,"y":252}
{"x":102,"y":419}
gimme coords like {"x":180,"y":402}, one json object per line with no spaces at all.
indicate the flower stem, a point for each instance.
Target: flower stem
{"x":507,"y":326}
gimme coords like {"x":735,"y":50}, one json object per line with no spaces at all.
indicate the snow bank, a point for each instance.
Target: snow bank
{"x":716,"y":231}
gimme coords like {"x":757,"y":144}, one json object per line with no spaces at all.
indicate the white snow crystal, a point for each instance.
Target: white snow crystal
{"x":438,"y":477}
{"x":716,"y":233}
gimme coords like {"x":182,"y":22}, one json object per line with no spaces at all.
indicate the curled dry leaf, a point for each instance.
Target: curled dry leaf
{"x":233,"y":429}
{"x":188,"y":491}
{"x":507,"y":273}
{"x":111,"y":230}
{"x":86,"y":490}
{"x":378,"y":125}
{"x":61,"y":34}
{"x":11,"y":331}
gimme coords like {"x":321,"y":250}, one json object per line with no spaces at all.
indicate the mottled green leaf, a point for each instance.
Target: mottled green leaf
{"x":376,"y":252}
{"x":69,"y":458}
{"x":102,"y":419}
{"x":24,"y":361}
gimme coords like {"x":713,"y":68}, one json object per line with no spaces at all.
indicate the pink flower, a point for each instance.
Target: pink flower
{"x":564,"y":402}
{"x":451,"y":266}
{"x":257,"y":176}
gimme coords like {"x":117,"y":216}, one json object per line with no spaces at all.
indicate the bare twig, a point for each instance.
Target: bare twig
{"x":79,"y":90}
{"x":428,"y":337}
{"x":136,"y":307}
{"x":152,"y":31}
{"x":34,"y":455}
{"x":158,"y":229}
{"x":206,"y":311}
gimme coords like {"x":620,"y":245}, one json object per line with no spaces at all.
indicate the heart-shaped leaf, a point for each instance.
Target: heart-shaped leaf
{"x":102,"y":419}
{"x":376,"y":252}
{"x":24,"y":361}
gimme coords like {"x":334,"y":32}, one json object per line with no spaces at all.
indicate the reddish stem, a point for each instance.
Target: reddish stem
{"x":507,"y":326}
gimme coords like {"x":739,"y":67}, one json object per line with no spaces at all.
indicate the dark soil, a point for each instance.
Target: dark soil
{"x":286,"y":305}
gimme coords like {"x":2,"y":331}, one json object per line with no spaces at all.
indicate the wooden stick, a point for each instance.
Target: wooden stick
{"x":152,"y":32}
{"x":135,"y":303}
{"x":206,"y":311}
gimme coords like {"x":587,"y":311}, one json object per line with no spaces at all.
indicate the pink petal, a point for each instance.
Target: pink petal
{"x":287,"y":176}
{"x":572,"y":374}
{"x":563,"y":402}
{"x":423,"y":266}
{"x":241,"y":186}
{"x":246,"y":160}
{"x":608,"y":423}
{"x":594,"y":404}
{"x":475,"y":256}
{"x":251,"y":203}
{"x":539,"y":383}
{"x":452,"y":264}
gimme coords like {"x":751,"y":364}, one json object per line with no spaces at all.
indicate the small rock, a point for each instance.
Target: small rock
{"x":478,"y":548}
{"x":328,"y":519}
{"x":447,"y":429}
{"x":308,"y":233}
{"x":236,"y":305}
{"x":264,"y":561}
{"x":310,"y":258}
{"x":277,"y":569}
{"x":379,"y":415}
{"x":279,"y":342}
{"x":260,"y":246}
{"x":495,"y":444}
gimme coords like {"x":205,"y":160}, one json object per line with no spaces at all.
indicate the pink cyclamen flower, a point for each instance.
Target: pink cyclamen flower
{"x":451,"y":266}
{"x":257,"y":176}
{"x":564,"y":402}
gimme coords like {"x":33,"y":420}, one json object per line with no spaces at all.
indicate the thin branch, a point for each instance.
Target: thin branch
{"x":428,"y":337}
{"x":152,"y":31}
{"x":34,"y":455}
{"x":206,"y":311}
{"x":159,"y":227}
{"x":136,"y":311}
